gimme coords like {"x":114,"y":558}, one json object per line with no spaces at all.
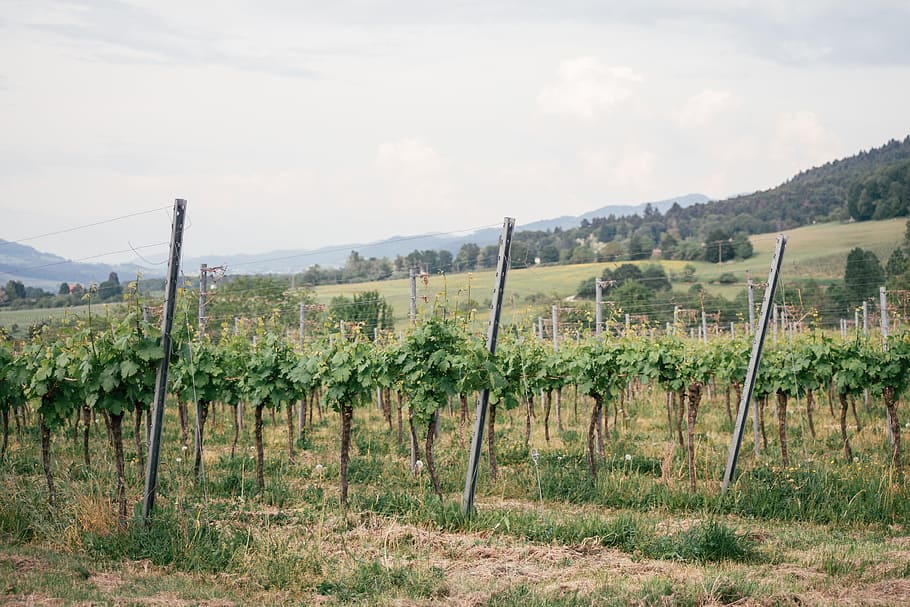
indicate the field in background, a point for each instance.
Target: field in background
{"x":21,"y":320}
{"x":818,"y":251}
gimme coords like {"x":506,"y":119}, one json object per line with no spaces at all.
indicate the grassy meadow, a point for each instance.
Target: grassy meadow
{"x":818,"y":251}
{"x":822,"y":531}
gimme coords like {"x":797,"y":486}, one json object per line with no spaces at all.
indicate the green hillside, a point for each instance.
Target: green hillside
{"x":817,"y":251}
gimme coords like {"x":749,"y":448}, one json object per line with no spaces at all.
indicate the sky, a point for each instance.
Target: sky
{"x":297,"y":124}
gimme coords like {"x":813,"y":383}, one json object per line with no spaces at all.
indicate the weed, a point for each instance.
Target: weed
{"x":185,"y":542}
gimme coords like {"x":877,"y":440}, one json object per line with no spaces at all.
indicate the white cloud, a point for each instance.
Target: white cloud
{"x":586,"y":89}
{"x":415,"y":174}
{"x":408,"y":160}
{"x":632,"y":167}
{"x":801,"y":139}
{"x":701,"y":108}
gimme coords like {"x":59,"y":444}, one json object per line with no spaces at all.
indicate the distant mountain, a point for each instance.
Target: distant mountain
{"x":36,"y":269}
{"x":287,"y":261}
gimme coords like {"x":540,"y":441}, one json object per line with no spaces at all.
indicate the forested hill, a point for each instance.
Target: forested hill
{"x":870,"y":185}
{"x":829,"y":192}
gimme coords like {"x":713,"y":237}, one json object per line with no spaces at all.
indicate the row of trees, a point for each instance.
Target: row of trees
{"x":15,"y":294}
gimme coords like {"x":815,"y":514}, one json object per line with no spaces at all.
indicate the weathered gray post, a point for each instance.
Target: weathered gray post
{"x":413,"y":276}
{"x":751,"y":308}
{"x":598,"y":307}
{"x":704,"y":323}
{"x":865,"y":319}
{"x":203,"y":291}
{"x":883,"y":305}
{"x":757,"y":344}
{"x":302,"y":330}
{"x":774,"y":325}
{"x":555,"y":327}
{"x":167,"y":322}
{"x":480,"y":417}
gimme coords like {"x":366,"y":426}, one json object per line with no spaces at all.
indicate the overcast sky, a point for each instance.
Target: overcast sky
{"x":295,"y":124}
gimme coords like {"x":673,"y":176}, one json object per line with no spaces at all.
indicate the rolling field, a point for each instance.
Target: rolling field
{"x":818,"y":251}
{"x":21,"y":320}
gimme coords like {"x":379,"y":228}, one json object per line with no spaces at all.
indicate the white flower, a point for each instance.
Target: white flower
{"x":179,"y":459}
{"x":628,"y":457}
{"x":183,"y":448}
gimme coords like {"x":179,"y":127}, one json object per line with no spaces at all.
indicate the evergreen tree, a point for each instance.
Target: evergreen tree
{"x":863,"y":275}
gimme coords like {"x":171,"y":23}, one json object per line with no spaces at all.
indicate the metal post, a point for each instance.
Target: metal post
{"x":480,"y":417}
{"x":757,"y":344}
{"x":856,"y":321}
{"x":751,"y":308}
{"x":555,"y":328}
{"x":704,"y":321}
{"x":598,"y":307}
{"x":167,"y":322}
{"x":732,"y":330}
{"x":413,"y":276}
{"x":302,"y":329}
{"x":774,"y":324}
{"x":540,"y":326}
{"x":203,"y":289}
{"x":865,"y":319}
{"x":883,"y":305}
{"x":148,"y":412}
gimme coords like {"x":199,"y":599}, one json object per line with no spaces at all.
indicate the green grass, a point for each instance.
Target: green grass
{"x":637,"y":535}
{"x":818,"y":251}
{"x":23,"y":319}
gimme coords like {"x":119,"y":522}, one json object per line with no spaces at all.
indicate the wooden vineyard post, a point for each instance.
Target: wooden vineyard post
{"x":301,"y":331}
{"x":203,"y":288}
{"x":598,"y":307}
{"x":556,"y":328}
{"x":413,"y":311}
{"x":167,"y":322}
{"x":757,"y":344}
{"x":483,"y":401}
{"x":751,"y":308}
{"x":883,"y":305}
